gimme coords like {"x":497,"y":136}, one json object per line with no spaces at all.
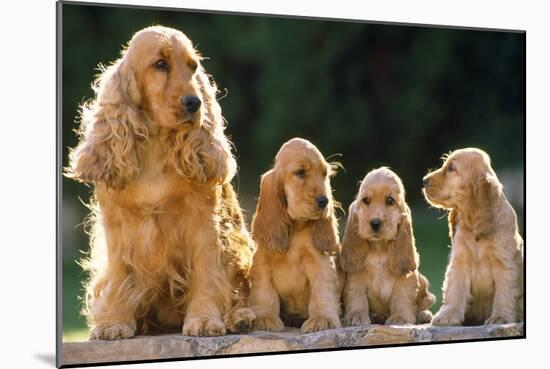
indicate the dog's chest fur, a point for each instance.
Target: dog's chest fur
{"x":289,"y":272}
{"x":156,"y":183}
{"x":478,"y":256}
{"x":159,"y":190}
{"x":153,"y":185}
{"x":381,"y":282}
{"x":155,"y":217}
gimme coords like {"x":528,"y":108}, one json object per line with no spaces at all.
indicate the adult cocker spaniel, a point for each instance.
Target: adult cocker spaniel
{"x":169,"y":246}
{"x":484,"y":278}
{"x":383,"y":284}
{"x":293,"y":275}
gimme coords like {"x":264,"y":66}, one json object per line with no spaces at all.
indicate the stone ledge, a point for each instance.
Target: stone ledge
{"x":178,"y":346}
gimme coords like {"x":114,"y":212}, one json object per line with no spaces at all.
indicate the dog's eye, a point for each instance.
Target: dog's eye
{"x":366,"y":200}
{"x":301,"y":173}
{"x":192,"y":65}
{"x":390,"y":201}
{"x":161,"y":64}
{"x":451,"y":167}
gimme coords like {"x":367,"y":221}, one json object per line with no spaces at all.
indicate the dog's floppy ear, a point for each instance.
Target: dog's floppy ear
{"x":402,"y":255}
{"x":486,"y":190}
{"x":354,"y":248}
{"x":271,"y":225}
{"x":111,"y":130}
{"x":324,"y":234}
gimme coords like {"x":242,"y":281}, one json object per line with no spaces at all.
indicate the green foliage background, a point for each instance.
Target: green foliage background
{"x":376,"y":94}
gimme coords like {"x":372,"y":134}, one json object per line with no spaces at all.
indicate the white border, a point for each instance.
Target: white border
{"x":27,"y":237}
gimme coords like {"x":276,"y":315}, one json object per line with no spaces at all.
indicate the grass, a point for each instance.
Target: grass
{"x":430,"y":229}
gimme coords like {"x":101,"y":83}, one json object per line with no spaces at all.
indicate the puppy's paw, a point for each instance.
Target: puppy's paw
{"x":203,"y":326}
{"x":269,"y":323}
{"x":447,"y":317}
{"x":497,"y":319}
{"x":396,"y":319}
{"x":424,"y":317}
{"x":112,"y":331}
{"x":356,"y":318}
{"x":318,"y":323}
{"x":240,"y":320}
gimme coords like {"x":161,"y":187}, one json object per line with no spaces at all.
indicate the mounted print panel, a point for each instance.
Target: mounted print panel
{"x":235,"y":184}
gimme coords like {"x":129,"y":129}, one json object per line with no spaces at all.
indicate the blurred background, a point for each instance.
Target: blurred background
{"x":366,"y":94}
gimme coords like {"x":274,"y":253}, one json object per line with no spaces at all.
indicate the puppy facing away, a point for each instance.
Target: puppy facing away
{"x":169,"y":248}
{"x":484,"y":278}
{"x":383,"y":284}
{"x":293,"y":275}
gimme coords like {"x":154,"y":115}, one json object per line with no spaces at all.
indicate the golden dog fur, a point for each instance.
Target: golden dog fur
{"x":293,"y":275}
{"x":383,"y":284}
{"x":169,"y":246}
{"x":483,"y":282}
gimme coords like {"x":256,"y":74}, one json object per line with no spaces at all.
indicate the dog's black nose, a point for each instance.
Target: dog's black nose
{"x":425,"y":182}
{"x":191,"y":103}
{"x":322,"y":202}
{"x":375,"y":224}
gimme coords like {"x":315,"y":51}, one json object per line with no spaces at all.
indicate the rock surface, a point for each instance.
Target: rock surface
{"x":178,"y":346}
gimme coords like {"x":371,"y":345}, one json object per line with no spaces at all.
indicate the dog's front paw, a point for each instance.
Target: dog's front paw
{"x":356,"y":318}
{"x":424,"y":317}
{"x":318,"y":323}
{"x":269,"y":323}
{"x":240,"y":320}
{"x":396,"y":319}
{"x":112,"y":331}
{"x":447,"y":317}
{"x":497,"y":319}
{"x":203,"y":326}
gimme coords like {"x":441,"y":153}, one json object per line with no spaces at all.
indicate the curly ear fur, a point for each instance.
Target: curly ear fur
{"x":402,"y":255}
{"x":324,"y":234}
{"x":485,"y":192}
{"x":204,"y":154}
{"x":354,"y":248}
{"x":111,"y":131}
{"x":271,"y":225}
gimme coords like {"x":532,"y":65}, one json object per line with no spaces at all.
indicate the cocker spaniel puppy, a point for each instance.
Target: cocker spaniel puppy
{"x":484,"y":278}
{"x":169,"y":246}
{"x":293,"y":275}
{"x":383,"y":284}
